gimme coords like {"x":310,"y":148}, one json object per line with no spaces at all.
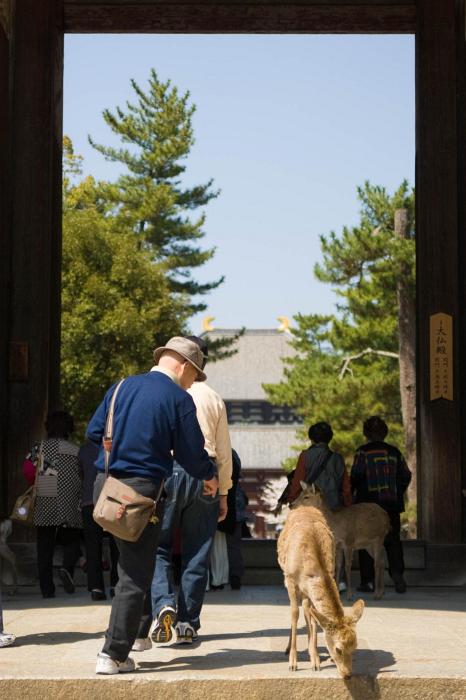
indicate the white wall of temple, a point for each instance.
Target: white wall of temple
{"x":263,"y":446}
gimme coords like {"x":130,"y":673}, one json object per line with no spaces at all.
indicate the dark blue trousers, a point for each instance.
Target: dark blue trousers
{"x":196,"y":516}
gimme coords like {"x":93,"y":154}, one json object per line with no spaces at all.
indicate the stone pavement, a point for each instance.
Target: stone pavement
{"x":411,"y":646}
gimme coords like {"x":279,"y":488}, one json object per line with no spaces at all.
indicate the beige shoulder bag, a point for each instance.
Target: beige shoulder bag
{"x":121,"y":510}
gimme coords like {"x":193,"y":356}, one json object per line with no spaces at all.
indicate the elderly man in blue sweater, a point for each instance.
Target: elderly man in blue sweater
{"x":154,"y":423}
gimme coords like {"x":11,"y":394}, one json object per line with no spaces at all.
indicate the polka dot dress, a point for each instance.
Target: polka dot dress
{"x":64,"y":508}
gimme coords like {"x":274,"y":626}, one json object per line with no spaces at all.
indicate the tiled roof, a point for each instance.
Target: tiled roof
{"x":257,"y":362}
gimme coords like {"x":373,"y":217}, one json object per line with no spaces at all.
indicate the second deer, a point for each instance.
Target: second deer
{"x":360,"y":526}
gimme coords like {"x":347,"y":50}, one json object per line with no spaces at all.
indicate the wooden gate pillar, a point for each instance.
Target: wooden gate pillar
{"x":461,"y":117}
{"x":4,"y":247}
{"x":439,"y":244}
{"x":36,"y":99}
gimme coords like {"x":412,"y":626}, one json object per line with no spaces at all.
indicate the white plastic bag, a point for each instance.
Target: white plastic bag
{"x":219,"y":572}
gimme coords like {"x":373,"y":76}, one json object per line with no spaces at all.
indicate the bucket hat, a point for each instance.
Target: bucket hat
{"x":189,"y":350}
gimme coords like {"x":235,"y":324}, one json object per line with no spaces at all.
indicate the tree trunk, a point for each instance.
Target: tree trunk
{"x":407,"y":340}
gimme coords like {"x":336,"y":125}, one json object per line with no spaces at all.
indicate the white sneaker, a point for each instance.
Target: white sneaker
{"x":141,"y":644}
{"x":164,"y":626}
{"x":109,"y":667}
{"x":6,"y":640}
{"x":341,"y":586}
{"x":185,"y":633}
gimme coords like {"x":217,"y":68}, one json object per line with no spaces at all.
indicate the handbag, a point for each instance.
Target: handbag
{"x":120,"y":509}
{"x":23,"y":510}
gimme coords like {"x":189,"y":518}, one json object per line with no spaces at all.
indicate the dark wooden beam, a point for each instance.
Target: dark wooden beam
{"x":461,"y":130}
{"x":36,"y":67}
{"x":4,"y":258}
{"x":240,"y":16}
{"x":438,"y":264}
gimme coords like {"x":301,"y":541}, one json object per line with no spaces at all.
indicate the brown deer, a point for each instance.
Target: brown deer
{"x":306,"y":554}
{"x":360,"y":526}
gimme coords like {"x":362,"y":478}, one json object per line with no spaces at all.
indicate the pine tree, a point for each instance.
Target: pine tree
{"x":364,"y":265}
{"x":116,"y":302}
{"x":150,"y":199}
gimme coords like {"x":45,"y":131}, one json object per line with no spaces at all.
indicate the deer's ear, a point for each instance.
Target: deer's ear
{"x":357,"y":610}
{"x":307,"y":488}
{"x":321,"y":619}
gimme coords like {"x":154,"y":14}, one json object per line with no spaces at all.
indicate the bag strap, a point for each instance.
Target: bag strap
{"x":322,"y":466}
{"x":108,"y":434}
{"x":40,"y":462}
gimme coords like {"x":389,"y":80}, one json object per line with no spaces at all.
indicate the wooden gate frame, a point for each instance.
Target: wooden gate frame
{"x":31,"y":108}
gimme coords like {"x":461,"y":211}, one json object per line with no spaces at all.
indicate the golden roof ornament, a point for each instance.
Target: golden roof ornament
{"x":206,"y":324}
{"x":284,"y":326}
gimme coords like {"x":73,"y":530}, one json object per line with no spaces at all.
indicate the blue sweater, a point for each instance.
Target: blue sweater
{"x":153,"y":416}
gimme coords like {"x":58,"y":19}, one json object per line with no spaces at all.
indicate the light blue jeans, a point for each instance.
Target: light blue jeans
{"x":196,"y":515}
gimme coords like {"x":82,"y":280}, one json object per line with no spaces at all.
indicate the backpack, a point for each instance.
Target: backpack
{"x":329,"y":488}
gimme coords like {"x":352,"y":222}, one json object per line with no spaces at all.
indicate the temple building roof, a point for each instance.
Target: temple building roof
{"x":257,"y":362}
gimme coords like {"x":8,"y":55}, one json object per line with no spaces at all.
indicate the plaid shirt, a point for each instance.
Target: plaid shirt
{"x":380,"y":475}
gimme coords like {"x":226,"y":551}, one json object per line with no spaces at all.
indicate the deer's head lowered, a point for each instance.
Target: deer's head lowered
{"x":340,"y":637}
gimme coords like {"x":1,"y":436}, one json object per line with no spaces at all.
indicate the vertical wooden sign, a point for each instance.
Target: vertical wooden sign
{"x":441,"y":357}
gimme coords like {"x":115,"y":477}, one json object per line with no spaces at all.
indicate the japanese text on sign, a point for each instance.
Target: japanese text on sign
{"x":441,"y":357}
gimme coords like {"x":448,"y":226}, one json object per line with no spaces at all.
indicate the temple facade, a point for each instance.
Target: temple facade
{"x":262,"y":434}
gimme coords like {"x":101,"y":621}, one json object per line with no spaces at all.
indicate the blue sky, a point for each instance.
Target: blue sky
{"x":288,"y":127}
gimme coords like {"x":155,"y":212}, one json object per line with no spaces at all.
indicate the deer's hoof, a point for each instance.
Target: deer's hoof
{"x":293,"y":667}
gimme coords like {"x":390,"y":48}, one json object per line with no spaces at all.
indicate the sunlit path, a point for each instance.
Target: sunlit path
{"x":407,"y":644}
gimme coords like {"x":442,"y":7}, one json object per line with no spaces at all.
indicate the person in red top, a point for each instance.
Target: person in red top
{"x":321,"y":466}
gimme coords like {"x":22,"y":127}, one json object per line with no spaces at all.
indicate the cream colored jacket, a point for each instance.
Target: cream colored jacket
{"x":212,"y":416}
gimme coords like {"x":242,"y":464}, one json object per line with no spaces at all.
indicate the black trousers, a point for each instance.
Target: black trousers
{"x":47,"y":538}
{"x":93,"y":538}
{"x":394,"y":550}
{"x":131,"y":606}
{"x":235,"y":558}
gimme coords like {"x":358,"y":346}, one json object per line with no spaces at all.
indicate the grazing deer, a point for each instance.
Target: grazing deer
{"x":360,"y":526}
{"x":306,"y":554}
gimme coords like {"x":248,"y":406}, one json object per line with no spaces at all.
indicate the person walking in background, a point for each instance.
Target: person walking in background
{"x":326,"y":469}
{"x":154,"y":422}
{"x":380,"y":475}
{"x":238,"y":516}
{"x":195,"y":514}
{"x":321,"y":466}
{"x":57,"y":514}
{"x":220,"y":564}
{"x":93,"y":533}
{"x":6,"y":639}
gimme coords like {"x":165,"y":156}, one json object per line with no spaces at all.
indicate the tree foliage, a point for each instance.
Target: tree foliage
{"x":117,"y":304}
{"x":149,"y":199}
{"x":363,"y":265}
{"x":130,"y":247}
